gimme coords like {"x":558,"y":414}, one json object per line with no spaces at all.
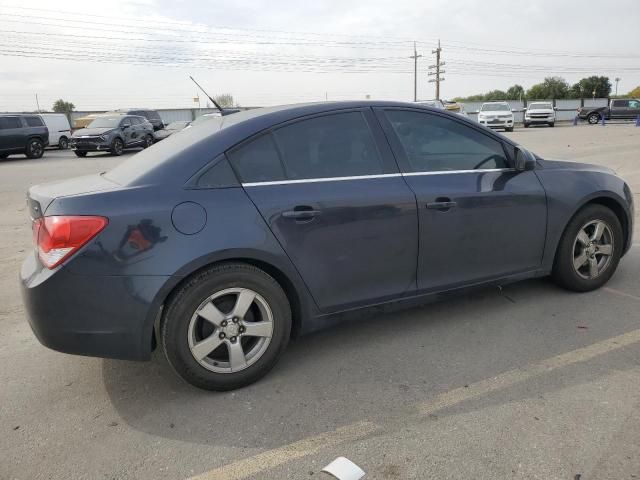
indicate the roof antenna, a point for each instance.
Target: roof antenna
{"x":222,"y":112}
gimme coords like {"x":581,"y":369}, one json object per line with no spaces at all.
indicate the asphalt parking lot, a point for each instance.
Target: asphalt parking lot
{"x":527,"y":381}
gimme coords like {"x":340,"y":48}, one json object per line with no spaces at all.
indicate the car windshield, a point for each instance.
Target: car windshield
{"x":539,"y":106}
{"x":105,"y":122}
{"x":495,"y":107}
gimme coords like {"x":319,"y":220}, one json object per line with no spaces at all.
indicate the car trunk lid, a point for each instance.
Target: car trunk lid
{"x":39,"y":197}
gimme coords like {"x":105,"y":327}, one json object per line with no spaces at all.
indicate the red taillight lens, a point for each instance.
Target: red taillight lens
{"x":59,"y":237}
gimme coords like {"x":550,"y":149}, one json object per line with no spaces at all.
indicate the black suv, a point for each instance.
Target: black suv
{"x":23,"y":134}
{"x":112,"y":133}
{"x":151,"y":115}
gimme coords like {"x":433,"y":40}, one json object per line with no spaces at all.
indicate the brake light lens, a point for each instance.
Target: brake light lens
{"x":58,"y":237}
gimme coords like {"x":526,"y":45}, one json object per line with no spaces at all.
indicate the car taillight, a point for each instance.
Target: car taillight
{"x":59,"y":237}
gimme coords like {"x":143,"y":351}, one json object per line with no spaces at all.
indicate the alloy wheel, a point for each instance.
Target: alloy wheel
{"x":230,"y":330}
{"x":35,"y":148}
{"x":593,"y":249}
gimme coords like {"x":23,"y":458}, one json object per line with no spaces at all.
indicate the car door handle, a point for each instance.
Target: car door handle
{"x":301,"y":213}
{"x":442,"y":204}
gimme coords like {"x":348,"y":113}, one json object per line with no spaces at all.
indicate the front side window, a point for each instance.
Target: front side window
{"x":334,"y":145}
{"x":34,"y":121}
{"x":621,"y":103}
{"x":125,"y":122}
{"x":257,"y":161}
{"x":10,"y":122}
{"x":433,"y":143}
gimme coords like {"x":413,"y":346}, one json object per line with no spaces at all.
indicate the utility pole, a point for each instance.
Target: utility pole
{"x":617,"y":79}
{"x":436,"y":71}
{"x":415,"y":72}
{"x":37,"y":103}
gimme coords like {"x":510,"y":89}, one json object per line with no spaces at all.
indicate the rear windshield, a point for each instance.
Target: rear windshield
{"x":139,"y":164}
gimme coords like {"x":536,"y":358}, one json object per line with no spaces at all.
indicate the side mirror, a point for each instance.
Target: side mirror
{"x":555,"y":108}
{"x":524,"y":109}
{"x":124,"y":127}
{"x":513,"y":110}
{"x":525,"y":160}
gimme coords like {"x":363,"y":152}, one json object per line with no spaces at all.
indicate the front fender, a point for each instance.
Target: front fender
{"x":570,"y":190}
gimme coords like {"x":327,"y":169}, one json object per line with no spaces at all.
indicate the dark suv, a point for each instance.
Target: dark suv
{"x":151,"y":115}
{"x":23,"y":134}
{"x":112,"y":133}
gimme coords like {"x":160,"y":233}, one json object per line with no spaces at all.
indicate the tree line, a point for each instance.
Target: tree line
{"x":551,"y":87}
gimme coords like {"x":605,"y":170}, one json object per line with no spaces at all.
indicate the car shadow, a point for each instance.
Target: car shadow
{"x":373,"y":368}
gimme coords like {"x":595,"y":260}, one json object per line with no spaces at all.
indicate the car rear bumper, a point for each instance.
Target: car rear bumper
{"x":100,"y":316}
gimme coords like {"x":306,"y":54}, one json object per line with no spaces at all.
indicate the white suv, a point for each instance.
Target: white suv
{"x":496,"y":115}
{"x":539,"y":113}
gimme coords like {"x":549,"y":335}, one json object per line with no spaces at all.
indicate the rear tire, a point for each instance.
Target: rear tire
{"x":581,"y":264}
{"x":508,"y":129}
{"x":215,"y":293}
{"x":80,"y":154}
{"x":63,"y":143}
{"x":34,"y":149}
{"x":117,"y":147}
{"x":526,"y":125}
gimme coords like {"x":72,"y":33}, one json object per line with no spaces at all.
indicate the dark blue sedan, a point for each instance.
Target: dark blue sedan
{"x":228,"y":238}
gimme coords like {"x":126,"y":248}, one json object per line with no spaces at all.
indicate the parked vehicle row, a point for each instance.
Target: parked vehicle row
{"x":113,"y":134}
{"x":619,"y":108}
{"x":224,"y":241}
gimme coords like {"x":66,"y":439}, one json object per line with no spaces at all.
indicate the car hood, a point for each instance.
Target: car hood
{"x":540,"y":110}
{"x":90,"y":132}
{"x":495,"y":112}
{"x":573,"y":166}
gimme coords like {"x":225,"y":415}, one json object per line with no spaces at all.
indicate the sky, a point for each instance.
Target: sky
{"x":140,"y":53}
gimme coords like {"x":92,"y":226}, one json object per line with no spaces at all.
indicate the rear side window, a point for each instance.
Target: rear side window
{"x":151,"y":114}
{"x":135,"y":121}
{"x":10,"y":122}
{"x":433,"y":143}
{"x":34,"y":121}
{"x":336,"y":145}
{"x":257,"y":161}
{"x":621,"y":103}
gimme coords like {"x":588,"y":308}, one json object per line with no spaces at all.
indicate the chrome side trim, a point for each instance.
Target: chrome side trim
{"x":444,"y":172}
{"x":368,"y":177}
{"x":316,"y":180}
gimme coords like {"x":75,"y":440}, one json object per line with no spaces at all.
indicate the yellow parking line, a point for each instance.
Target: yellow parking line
{"x":520,"y":375}
{"x":618,"y":292}
{"x":248,"y":467}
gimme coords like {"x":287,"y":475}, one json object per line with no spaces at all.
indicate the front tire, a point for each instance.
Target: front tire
{"x":35,"y":148}
{"x":117,"y":147}
{"x":508,"y":129}
{"x":226,"y":327}
{"x":552,"y":124}
{"x":63,"y":143}
{"x":589,"y":250}
{"x":593,"y":118}
{"x":148,"y":141}
{"x":80,"y":154}
{"x":526,"y":125}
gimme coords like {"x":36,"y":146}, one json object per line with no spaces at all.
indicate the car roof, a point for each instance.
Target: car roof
{"x":180,"y":156}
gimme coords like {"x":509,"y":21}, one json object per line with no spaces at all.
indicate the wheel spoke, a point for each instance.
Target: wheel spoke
{"x":593,"y":267}
{"x":211,"y":314}
{"x":605,"y":249}
{"x":580,"y":260}
{"x":244,"y":301}
{"x":206,"y":346}
{"x":599,"y":230}
{"x":237,"y":360}
{"x":258,"y":329}
{"x":583,"y":238}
